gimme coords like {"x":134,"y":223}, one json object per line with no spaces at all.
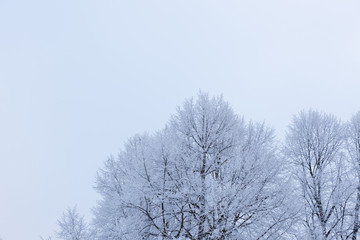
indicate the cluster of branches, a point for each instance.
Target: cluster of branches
{"x":324,"y":157}
{"x":210,"y":175}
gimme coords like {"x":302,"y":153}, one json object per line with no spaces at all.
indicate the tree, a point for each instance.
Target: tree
{"x":72,"y":226}
{"x":43,"y":238}
{"x":353,"y":147}
{"x":314,"y":143}
{"x":206,"y":175}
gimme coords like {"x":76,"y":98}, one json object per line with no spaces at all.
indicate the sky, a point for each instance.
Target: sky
{"x":78,"y":78}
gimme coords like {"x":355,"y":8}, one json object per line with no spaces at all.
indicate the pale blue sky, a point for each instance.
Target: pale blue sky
{"x":79,"y":77}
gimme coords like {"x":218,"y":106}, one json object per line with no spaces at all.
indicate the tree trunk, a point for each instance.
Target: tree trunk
{"x":202,"y":199}
{"x":356,"y":215}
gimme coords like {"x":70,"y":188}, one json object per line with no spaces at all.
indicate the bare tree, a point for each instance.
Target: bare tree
{"x":43,"y":238}
{"x":207,"y":175}
{"x":313,"y":143}
{"x":72,"y":226}
{"x":353,"y":147}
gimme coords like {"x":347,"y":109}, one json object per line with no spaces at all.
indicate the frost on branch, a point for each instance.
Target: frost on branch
{"x":72,"y":226}
{"x":314,"y":145}
{"x":207,"y":175}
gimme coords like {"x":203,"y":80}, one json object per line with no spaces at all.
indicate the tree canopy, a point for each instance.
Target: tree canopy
{"x":211,"y":175}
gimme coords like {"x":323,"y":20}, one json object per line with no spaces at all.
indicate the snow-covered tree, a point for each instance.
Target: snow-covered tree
{"x":353,"y":147}
{"x":314,"y":144}
{"x":72,"y":226}
{"x":207,"y":175}
{"x":44,"y":238}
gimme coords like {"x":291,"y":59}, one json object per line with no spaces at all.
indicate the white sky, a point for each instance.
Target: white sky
{"x":78,"y":78}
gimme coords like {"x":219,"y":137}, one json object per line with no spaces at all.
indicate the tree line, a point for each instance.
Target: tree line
{"x":209,"y":174}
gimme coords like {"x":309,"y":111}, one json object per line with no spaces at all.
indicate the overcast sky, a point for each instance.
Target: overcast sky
{"x":79,"y":77}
